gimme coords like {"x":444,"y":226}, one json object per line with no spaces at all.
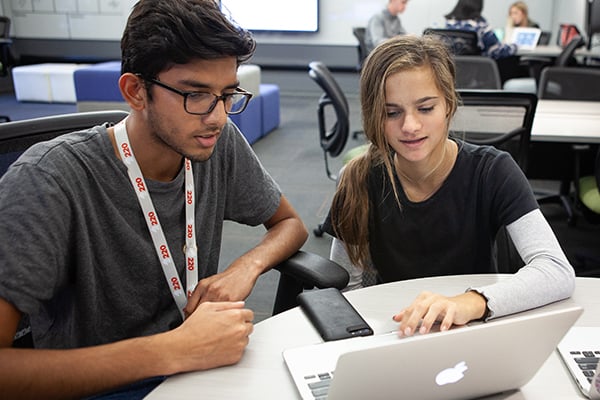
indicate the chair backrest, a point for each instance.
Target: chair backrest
{"x":460,"y":42}
{"x":18,"y":136}
{"x":544,"y":39}
{"x":592,"y":20}
{"x":570,"y":83}
{"x":498,"y":118}
{"x":566,"y":55}
{"x":5,"y":45}
{"x":477,"y":72}
{"x":4,"y":27}
{"x":359,"y":33}
{"x":597,"y":169}
{"x":332,"y":136}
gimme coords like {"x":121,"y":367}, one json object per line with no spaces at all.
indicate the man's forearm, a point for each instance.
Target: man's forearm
{"x":279,"y":243}
{"x":48,"y":374}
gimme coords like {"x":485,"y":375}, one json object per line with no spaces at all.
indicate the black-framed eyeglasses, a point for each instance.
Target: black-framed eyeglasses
{"x":202,"y":103}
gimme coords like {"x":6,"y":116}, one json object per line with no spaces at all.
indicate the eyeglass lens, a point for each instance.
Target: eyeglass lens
{"x":201,"y":103}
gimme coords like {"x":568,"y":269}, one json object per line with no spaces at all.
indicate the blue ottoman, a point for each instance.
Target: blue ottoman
{"x":269,"y":96}
{"x":97,"y":87}
{"x":250,"y":121}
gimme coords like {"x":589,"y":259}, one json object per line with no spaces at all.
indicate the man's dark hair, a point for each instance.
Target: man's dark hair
{"x":161,"y":33}
{"x":466,"y":9}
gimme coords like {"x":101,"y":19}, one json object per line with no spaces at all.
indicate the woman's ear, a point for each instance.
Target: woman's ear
{"x":133,"y":90}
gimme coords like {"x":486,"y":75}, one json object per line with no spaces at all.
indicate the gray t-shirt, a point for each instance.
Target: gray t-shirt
{"x":76,"y":254}
{"x":382,"y":26}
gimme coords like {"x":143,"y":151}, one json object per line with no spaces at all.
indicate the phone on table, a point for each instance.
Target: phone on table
{"x":332,"y":314}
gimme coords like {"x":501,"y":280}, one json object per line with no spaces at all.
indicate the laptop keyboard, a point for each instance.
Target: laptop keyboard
{"x":587,"y":362}
{"x":319,"y":384}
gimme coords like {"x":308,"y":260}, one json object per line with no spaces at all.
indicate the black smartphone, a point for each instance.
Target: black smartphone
{"x":332,"y":314}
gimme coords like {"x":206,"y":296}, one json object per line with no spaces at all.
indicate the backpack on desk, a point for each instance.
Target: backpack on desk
{"x":566,"y":33}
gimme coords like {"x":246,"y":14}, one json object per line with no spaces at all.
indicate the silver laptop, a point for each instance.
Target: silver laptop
{"x":526,"y":38}
{"x":580,"y":351}
{"x":461,"y":363}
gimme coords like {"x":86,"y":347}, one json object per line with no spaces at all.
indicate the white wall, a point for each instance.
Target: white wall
{"x":339,"y":16}
{"x":105,"y":19}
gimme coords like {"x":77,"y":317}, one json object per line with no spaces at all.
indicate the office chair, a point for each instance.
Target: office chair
{"x":497,"y":118}
{"x":592,"y":20}
{"x":332,"y":136}
{"x":587,"y":200}
{"x":6,"y":59}
{"x":363,"y":51}
{"x":536,"y":64}
{"x":301,"y":271}
{"x":567,"y":83}
{"x":460,"y":42}
{"x":544,"y":39}
{"x":570,"y":83}
{"x":587,"y":195}
{"x":477,"y":72}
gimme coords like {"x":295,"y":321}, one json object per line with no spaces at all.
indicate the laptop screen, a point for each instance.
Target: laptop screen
{"x":526,"y":38}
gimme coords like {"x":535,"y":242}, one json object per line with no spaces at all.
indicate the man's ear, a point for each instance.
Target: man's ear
{"x":133,"y":90}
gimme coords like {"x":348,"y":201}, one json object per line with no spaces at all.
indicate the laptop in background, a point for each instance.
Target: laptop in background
{"x":464,"y":362}
{"x":544,"y":38}
{"x":580,"y":351}
{"x":526,"y":38}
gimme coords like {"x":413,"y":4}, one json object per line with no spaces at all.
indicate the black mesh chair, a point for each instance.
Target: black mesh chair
{"x":497,"y":118}
{"x":6,"y":58}
{"x":477,"y":72}
{"x":301,"y":271}
{"x":592,"y":20}
{"x":536,"y":64}
{"x":333,"y":132}
{"x":363,"y":51}
{"x":460,"y":42}
{"x":544,"y":39}
{"x":333,"y":135}
{"x":576,"y":84}
{"x":585,"y":261}
{"x":570,"y":83}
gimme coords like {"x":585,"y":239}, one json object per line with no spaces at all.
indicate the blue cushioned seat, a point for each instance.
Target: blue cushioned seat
{"x":269,"y":95}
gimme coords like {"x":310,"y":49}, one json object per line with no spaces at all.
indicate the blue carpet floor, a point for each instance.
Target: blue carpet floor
{"x":16,"y":110}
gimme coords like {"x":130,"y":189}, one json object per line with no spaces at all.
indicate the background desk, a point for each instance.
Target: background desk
{"x":262,"y":373}
{"x":566,"y":121}
{"x":554,"y":51}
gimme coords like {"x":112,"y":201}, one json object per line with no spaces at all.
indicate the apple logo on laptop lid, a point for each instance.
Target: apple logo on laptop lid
{"x":451,"y":375}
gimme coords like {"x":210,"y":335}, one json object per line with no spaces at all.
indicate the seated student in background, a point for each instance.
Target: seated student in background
{"x":518,"y":17}
{"x":111,"y":301}
{"x":466,"y":15}
{"x":385,"y":24}
{"x":419,"y":203}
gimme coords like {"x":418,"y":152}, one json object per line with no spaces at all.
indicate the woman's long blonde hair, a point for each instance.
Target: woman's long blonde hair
{"x":521,"y":6}
{"x":350,"y":206}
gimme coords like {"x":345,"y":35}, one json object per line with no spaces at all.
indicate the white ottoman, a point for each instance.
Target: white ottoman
{"x":50,"y":82}
{"x":249,"y":77}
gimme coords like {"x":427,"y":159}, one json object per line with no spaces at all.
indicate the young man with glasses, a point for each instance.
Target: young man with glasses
{"x":111,"y":236}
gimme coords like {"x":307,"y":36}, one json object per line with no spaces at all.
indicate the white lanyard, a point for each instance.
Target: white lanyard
{"x":156,"y":232}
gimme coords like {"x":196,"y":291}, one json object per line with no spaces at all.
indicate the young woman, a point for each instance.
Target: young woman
{"x":466,"y":15}
{"x":419,"y":203}
{"x":518,"y":17}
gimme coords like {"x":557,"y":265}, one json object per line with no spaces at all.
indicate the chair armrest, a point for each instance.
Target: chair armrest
{"x":305,"y":271}
{"x":535,"y":59}
{"x":314,"y":271}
